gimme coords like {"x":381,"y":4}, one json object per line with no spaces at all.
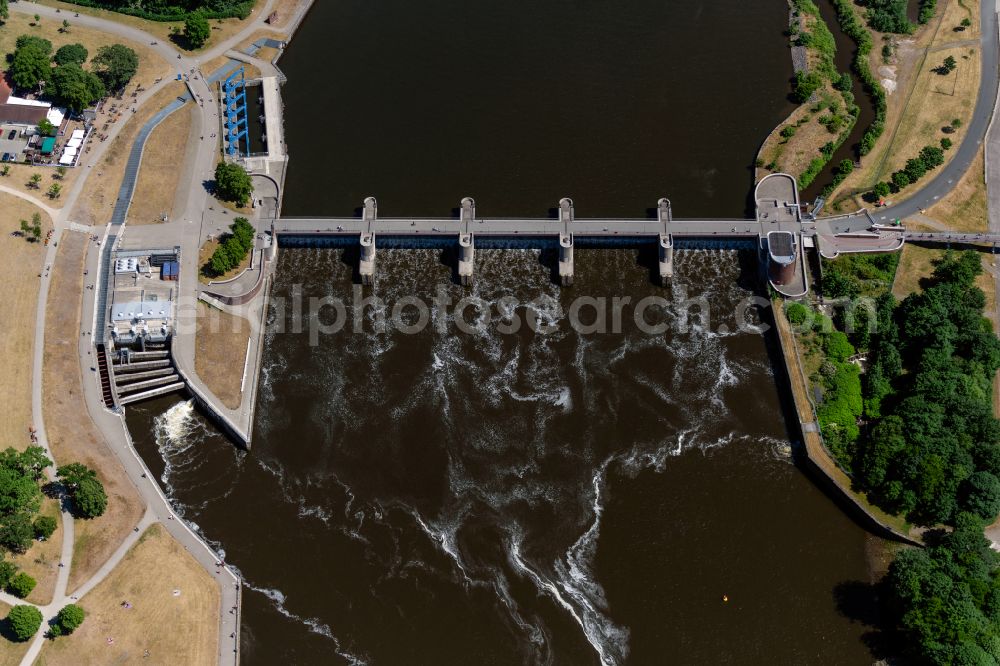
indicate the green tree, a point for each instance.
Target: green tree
{"x":71,"y":53}
{"x":44,"y":526}
{"x":65,"y":26}
{"x":233,"y":183}
{"x":196,"y":30}
{"x":90,"y":499}
{"x":24,"y":621}
{"x":42,"y":44}
{"x":7,"y":571}
{"x":34,"y":181}
{"x":60,"y":172}
{"x":75,"y":87}
{"x":32,"y":461}
{"x":805,"y":85}
{"x":949,"y":64}
{"x":882,"y":189}
{"x":843,"y":82}
{"x":55,"y":190}
{"x":4,"y":10}
{"x":86,"y":490}
{"x":16,"y":531}
{"x":945,"y":143}
{"x":900,"y":179}
{"x":5,"y":170}
{"x":116,"y":65}
{"x":21,"y":585}
{"x":46,"y":128}
{"x":29,"y":66}
{"x":981,"y":495}
{"x":69,"y":618}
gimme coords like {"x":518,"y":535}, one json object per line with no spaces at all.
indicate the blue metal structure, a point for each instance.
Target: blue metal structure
{"x":235,"y":123}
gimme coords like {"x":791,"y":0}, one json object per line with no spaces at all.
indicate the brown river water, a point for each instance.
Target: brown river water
{"x":545,"y":495}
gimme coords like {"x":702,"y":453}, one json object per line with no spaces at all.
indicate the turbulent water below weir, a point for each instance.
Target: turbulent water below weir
{"x":522,"y":498}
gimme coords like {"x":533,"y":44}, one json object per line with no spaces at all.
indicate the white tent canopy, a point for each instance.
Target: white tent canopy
{"x":69,"y":150}
{"x":77,"y":134}
{"x":66,"y":159}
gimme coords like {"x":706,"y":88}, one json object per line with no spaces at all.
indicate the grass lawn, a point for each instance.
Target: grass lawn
{"x":160,"y":171}
{"x":221,"y":352}
{"x":72,"y":434}
{"x":19,"y":270}
{"x":174,"y":614}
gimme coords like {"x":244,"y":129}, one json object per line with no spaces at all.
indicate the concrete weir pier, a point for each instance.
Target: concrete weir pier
{"x":778,"y":215}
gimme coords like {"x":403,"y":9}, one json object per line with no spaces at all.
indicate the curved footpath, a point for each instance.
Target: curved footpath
{"x":113,"y":426}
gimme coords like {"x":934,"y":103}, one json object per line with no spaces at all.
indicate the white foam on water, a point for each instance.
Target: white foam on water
{"x":278,"y":600}
{"x":176,"y":432}
{"x":444,"y":538}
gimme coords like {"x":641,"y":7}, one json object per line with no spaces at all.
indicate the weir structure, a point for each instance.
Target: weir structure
{"x":779,"y":231}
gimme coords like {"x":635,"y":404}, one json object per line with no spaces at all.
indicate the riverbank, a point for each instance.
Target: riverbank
{"x":819,"y":458}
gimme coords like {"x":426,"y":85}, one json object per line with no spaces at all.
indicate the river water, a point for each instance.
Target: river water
{"x":544,"y":495}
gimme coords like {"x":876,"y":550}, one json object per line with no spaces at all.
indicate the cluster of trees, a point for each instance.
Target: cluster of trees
{"x":20,"y":495}
{"x":850,"y":24}
{"x":67,"y":620}
{"x":68,"y":83}
{"x":233,"y":248}
{"x":932,"y":451}
{"x":32,"y":231}
{"x":232,"y":183}
{"x":888,"y":16}
{"x":24,"y":621}
{"x":806,"y":83}
{"x":173,"y":10}
{"x":946,"y":598}
{"x":930,"y":157}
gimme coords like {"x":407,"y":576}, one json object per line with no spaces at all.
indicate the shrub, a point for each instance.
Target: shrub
{"x":44,"y":526}
{"x":788,"y":131}
{"x":797,"y":313}
{"x":945,"y":143}
{"x":21,"y":585}
{"x":843,"y":82}
{"x":69,"y":618}
{"x":805,"y":85}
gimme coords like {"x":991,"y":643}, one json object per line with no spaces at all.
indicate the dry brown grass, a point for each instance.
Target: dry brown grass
{"x":19,"y":270}
{"x":97,"y":201}
{"x":965,"y":207}
{"x":10,"y":652}
{"x":182,"y":629}
{"x":41,"y":562}
{"x":72,"y":434}
{"x":286,"y":9}
{"x":221,"y":29}
{"x":19,"y":176}
{"x":915,"y":112}
{"x":159,"y":171}
{"x":221,"y":352}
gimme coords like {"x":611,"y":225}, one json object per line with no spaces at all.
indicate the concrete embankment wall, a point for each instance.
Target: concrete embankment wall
{"x":819,"y":459}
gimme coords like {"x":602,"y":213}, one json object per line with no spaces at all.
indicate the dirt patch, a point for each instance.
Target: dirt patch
{"x":156,"y":187}
{"x":98,"y":199}
{"x":23,"y":261}
{"x":965,"y":207}
{"x":172,"y":618}
{"x":221,"y":352}
{"x":72,"y":434}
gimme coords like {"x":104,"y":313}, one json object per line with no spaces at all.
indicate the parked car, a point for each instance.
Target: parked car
{"x":12,"y":134}
{"x":6,"y":157}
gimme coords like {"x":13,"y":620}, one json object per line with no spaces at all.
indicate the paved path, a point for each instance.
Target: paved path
{"x":113,"y":427}
{"x":52,"y":212}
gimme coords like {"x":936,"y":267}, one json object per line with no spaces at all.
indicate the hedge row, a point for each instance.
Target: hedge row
{"x":234,"y":9}
{"x":850,"y":24}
